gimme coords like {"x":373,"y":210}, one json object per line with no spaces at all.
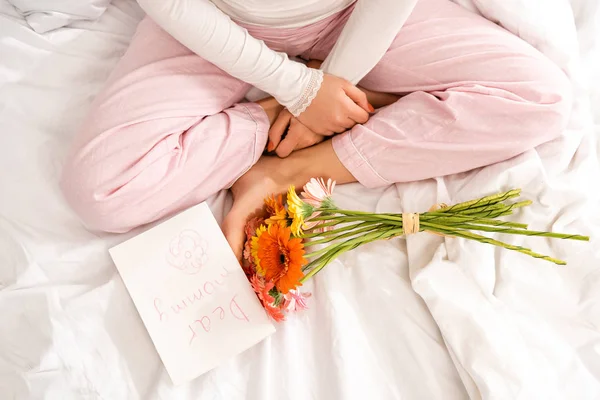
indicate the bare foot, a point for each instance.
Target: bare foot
{"x":249,"y":192}
{"x":273,"y":175}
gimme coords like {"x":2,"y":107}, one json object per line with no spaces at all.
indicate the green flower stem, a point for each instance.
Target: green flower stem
{"x":340,"y":248}
{"x":497,"y":209}
{"x":487,"y":200}
{"x":310,"y":265}
{"x":319,"y":260}
{"x":488,"y":211}
{"x":320,"y":252}
{"x":481,"y":212}
{"x":555,"y":235}
{"x":449,"y":220}
{"x":328,"y":257}
{"x":386,"y":234}
{"x":387,"y":217}
{"x":322,"y":225}
{"x":351,"y":212}
{"x":336,"y":231}
{"x":349,"y":242}
{"x":484,"y":239}
{"x":349,"y":218}
{"x":342,"y":218}
{"x":457,"y":220}
{"x":343,"y":236}
{"x":451,"y":231}
{"x":397,"y":221}
{"x":480,"y":209}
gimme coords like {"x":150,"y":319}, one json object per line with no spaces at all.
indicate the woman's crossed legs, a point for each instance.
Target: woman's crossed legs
{"x":169,"y":130}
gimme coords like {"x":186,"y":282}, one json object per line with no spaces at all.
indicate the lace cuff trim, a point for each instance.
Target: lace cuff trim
{"x":316,"y":79}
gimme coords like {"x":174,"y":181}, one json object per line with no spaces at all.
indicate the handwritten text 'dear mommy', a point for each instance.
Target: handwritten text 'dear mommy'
{"x":191,"y":293}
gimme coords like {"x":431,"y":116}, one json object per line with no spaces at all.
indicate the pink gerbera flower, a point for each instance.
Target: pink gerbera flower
{"x":316,"y":190}
{"x":248,"y":259}
{"x":294,"y":300}
{"x":262,"y":289}
{"x":317,"y":193}
{"x":275,"y":313}
{"x":253,"y":225}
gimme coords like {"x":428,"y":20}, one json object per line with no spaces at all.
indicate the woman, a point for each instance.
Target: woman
{"x":170,"y":128}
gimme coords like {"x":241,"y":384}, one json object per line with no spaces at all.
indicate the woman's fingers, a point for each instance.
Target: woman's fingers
{"x":293,"y":139}
{"x":287,"y":145}
{"x":278,"y":128}
{"x":315,"y":139}
{"x":298,"y":137}
{"x":345,"y":124}
{"x":358,"y":96}
{"x":355,"y":113}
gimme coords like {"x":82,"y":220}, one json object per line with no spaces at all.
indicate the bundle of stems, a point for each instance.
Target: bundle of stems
{"x":347,"y":230}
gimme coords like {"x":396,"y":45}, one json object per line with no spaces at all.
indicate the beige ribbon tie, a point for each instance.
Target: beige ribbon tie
{"x":410,"y":221}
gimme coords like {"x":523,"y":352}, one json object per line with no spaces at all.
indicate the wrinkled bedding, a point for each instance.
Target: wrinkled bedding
{"x":418,"y":318}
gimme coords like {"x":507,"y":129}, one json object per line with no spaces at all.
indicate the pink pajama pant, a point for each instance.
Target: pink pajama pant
{"x":170,"y":129}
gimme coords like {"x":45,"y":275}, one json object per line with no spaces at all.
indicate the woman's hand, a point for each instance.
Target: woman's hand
{"x":338,"y":106}
{"x":297,"y":136}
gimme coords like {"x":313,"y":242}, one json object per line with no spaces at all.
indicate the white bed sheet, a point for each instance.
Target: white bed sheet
{"x":423,"y":318}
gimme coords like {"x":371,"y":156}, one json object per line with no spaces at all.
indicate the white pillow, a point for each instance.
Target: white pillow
{"x":46,"y":15}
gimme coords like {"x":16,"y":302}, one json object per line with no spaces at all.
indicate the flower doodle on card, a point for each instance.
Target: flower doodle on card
{"x":187,"y":252}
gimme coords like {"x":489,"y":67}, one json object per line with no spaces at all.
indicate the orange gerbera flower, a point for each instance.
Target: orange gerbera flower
{"x":276,"y":211}
{"x":280,"y":257}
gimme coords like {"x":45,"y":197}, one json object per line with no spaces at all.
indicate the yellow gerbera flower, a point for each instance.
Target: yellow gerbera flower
{"x":298,"y":211}
{"x":254,"y":249}
{"x":276,"y":211}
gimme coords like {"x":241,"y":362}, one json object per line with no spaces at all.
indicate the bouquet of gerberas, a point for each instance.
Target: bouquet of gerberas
{"x":276,"y":262}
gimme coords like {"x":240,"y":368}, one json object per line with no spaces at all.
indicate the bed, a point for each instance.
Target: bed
{"x":421,"y":318}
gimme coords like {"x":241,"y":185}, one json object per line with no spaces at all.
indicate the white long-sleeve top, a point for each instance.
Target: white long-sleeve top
{"x":206,"y":27}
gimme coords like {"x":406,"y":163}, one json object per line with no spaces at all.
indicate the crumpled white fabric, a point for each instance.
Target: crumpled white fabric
{"x":518,"y":328}
{"x":44,"y":16}
{"x":423,"y":318}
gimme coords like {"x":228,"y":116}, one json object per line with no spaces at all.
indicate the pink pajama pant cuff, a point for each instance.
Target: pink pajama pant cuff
{"x":261,"y":134}
{"x":356,"y":162}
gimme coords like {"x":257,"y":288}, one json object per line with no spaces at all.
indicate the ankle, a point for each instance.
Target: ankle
{"x":271,"y":107}
{"x":317,"y":161}
{"x":380,"y":99}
